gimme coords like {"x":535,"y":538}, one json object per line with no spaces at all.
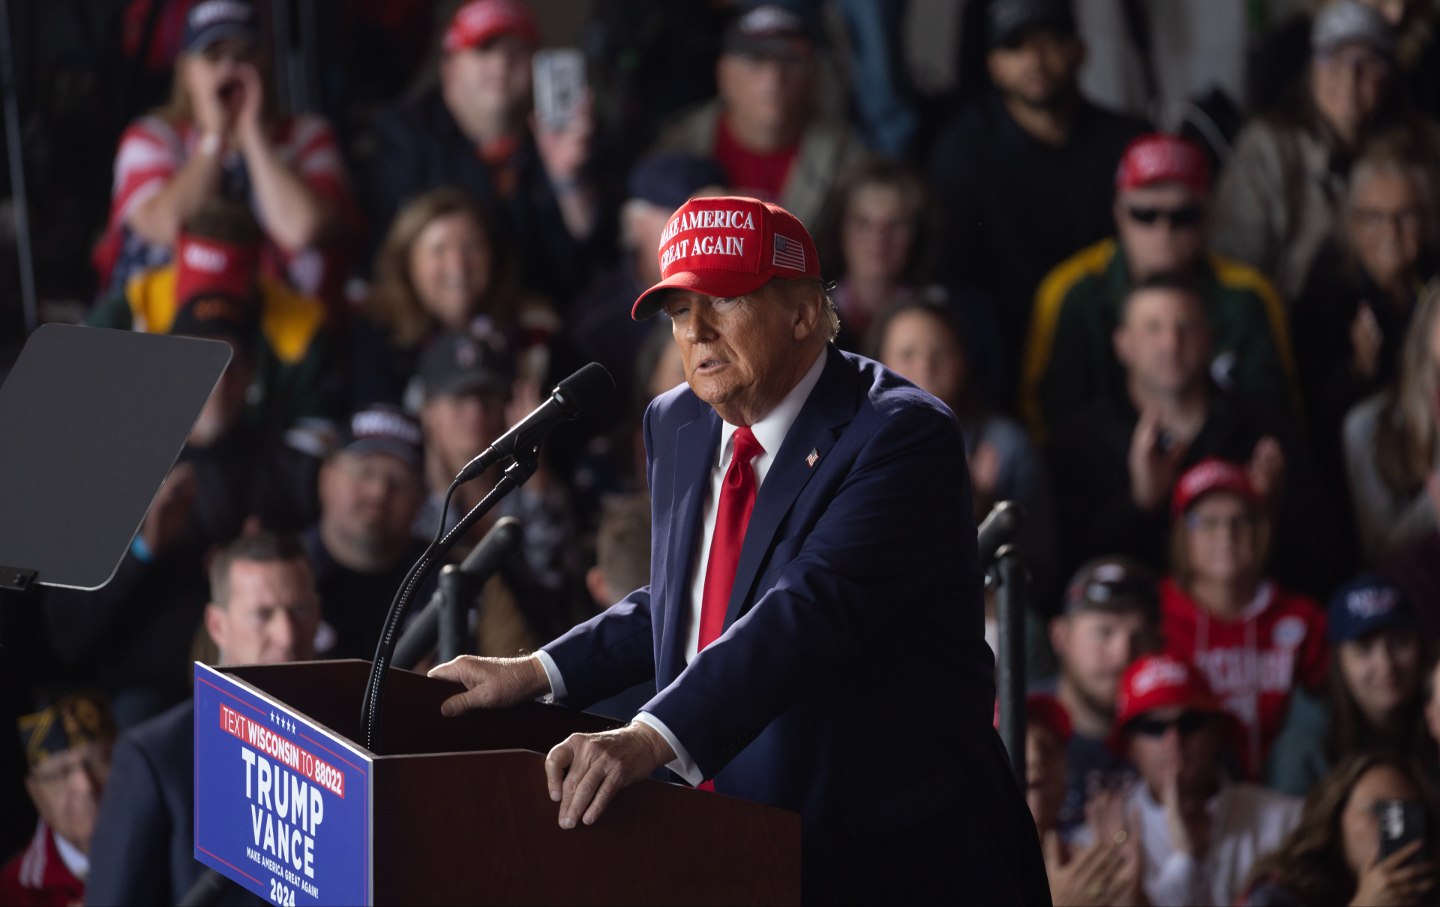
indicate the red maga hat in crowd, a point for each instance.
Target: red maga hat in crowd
{"x":1162,"y":158}
{"x":1160,"y":681}
{"x":478,"y":23}
{"x":1212,"y":474}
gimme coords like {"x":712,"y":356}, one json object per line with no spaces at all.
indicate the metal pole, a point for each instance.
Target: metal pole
{"x":23,"y":252}
{"x":1010,"y":614}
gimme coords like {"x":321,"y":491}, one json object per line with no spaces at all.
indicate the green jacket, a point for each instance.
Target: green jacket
{"x":1070,"y":354}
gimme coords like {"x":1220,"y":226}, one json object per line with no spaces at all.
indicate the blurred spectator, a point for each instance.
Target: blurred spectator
{"x":371,"y":490}
{"x":135,"y":632}
{"x":622,"y":563}
{"x":221,"y":135}
{"x":763,"y":128}
{"x":1391,"y":453}
{"x":1281,"y":57}
{"x":648,"y":61}
{"x":1115,"y":459}
{"x":1351,"y":318}
{"x":1110,"y":619}
{"x":1373,"y":699}
{"x":67,"y":748}
{"x":880,"y":247}
{"x":1023,"y":174}
{"x":878,"y":244}
{"x":1201,"y":832}
{"x":264,"y":609}
{"x":1105,"y":872}
{"x":1047,"y":733}
{"x":1254,"y":642}
{"x":1431,"y":694}
{"x":1276,"y":201}
{"x":923,"y":342}
{"x":599,"y":325}
{"x":216,"y":277}
{"x":614,"y":462}
{"x":475,"y":130}
{"x":1162,"y":195}
{"x":443,"y":268}
{"x":1333,"y":856}
{"x":465,"y":385}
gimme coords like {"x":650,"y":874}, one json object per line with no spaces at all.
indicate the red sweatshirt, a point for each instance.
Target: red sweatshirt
{"x":1251,"y":662}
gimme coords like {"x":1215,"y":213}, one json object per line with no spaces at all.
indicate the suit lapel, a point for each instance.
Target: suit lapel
{"x":829,"y":408}
{"x":695,"y":451}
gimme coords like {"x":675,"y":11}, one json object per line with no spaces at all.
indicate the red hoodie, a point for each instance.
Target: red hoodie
{"x":1252,"y":662}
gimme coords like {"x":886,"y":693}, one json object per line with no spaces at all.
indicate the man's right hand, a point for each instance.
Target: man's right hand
{"x":491,"y":683}
{"x":1153,"y":466}
{"x":1392,"y":881}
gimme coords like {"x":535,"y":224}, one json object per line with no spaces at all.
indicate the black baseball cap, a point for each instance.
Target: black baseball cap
{"x":1011,"y":20}
{"x":1113,"y":584}
{"x":457,"y":363}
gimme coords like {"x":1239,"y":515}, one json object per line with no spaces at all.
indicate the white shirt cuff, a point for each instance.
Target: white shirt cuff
{"x":552,"y":673}
{"x":682,"y":764}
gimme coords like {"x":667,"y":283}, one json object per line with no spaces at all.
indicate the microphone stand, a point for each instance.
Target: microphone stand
{"x":1005,"y":573}
{"x":516,"y":474}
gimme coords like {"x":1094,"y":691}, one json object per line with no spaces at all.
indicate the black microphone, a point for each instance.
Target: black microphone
{"x":482,"y":561}
{"x":579,"y":393}
{"x":999,"y":527}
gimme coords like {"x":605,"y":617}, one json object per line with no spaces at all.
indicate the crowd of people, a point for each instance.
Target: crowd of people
{"x":1208,"y":371}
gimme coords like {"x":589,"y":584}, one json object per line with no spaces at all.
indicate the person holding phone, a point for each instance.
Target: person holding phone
{"x":1367,"y":836}
{"x":477,"y":130}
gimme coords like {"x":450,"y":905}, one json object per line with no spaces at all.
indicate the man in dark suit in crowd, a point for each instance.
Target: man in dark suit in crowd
{"x":796,"y":601}
{"x":264,"y":609}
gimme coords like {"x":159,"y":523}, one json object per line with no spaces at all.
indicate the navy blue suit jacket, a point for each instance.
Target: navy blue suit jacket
{"x":852,"y":682}
{"x":143,"y":848}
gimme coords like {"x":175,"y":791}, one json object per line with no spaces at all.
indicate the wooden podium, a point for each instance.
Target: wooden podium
{"x":455,"y":810}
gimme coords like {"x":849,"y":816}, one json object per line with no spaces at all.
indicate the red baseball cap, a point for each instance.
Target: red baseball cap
{"x":1159,"y":681}
{"x":480,"y":21}
{"x":1161,"y":158}
{"x":213,"y":267}
{"x":728,"y":246}
{"x":1047,"y":711}
{"x":1044,"y":709}
{"x":1212,"y":474}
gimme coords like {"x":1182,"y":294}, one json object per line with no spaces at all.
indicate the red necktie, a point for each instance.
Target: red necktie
{"x":737,"y":499}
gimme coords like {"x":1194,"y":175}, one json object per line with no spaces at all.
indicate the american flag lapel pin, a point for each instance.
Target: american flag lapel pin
{"x":813,"y":458}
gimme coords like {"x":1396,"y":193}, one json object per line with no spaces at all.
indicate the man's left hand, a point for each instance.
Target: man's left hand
{"x":585,"y":771}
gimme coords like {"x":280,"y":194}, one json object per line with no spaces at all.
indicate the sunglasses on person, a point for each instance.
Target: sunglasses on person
{"x":1180,"y":218}
{"x":1186,"y":723}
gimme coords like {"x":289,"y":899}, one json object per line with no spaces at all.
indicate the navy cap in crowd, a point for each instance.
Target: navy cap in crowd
{"x":1113,"y":584}
{"x":458,"y":363}
{"x":1366,"y":604}
{"x":667,"y":179}
{"x":384,"y":429}
{"x":212,"y":21}
{"x":1011,"y":20}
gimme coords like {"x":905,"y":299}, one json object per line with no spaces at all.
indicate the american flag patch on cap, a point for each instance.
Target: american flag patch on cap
{"x":788,"y":254}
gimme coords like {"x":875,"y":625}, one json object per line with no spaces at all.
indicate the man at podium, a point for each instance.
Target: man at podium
{"x":813,"y":622}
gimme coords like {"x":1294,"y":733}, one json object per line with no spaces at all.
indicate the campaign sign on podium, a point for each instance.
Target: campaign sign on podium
{"x":281,"y":804}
